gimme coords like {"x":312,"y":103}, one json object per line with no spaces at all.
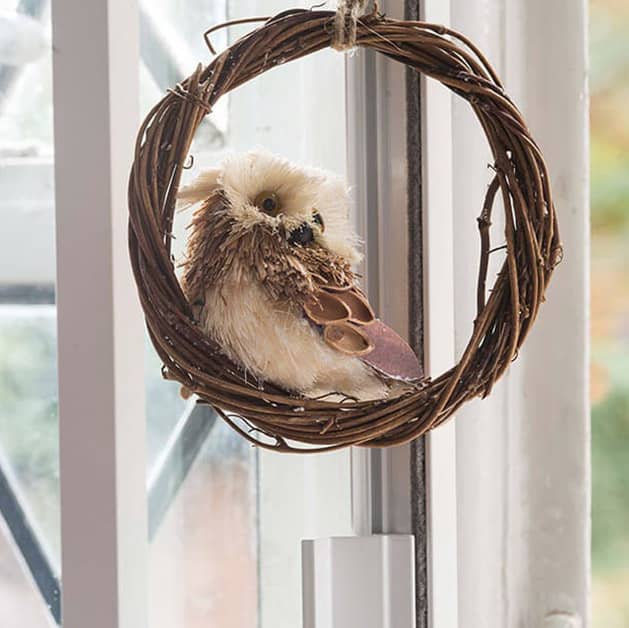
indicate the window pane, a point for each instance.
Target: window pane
{"x":29,"y":491}
{"x":25,"y":79}
{"x":21,"y":605}
{"x":228,"y":551}
{"x":203,"y":565}
{"x":164,"y":406}
{"x":28,"y":420}
{"x":609,"y":39}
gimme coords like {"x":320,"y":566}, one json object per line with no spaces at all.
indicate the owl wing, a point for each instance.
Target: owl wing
{"x":349,"y":325}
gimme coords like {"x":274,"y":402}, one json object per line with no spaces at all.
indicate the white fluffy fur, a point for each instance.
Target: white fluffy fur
{"x":275,"y":344}
{"x":274,"y":341}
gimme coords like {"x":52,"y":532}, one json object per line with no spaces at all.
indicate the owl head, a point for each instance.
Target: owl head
{"x":260,"y":189}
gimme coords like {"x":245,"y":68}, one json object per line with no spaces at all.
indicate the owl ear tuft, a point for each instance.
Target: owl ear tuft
{"x":200,"y":189}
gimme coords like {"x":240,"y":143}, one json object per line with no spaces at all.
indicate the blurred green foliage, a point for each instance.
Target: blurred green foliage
{"x":28,"y":389}
{"x":610,"y":185}
{"x":610,"y":495}
{"x":609,"y":88}
{"x":28,"y":410}
{"x":609,"y":54}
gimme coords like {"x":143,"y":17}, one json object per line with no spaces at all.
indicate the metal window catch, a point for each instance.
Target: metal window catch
{"x":562,"y":619}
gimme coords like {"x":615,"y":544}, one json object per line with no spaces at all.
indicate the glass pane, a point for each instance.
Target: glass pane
{"x":25,"y":79}
{"x":170,"y":48}
{"x":609,"y":37}
{"x":228,"y":551}
{"x":28,"y":369}
{"x":203,"y":565}
{"x":21,"y":605}
{"x":28,"y":406}
{"x":164,"y":406}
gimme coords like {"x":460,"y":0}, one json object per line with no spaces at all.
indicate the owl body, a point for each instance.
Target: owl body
{"x":268,"y":272}
{"x":275,"y":342}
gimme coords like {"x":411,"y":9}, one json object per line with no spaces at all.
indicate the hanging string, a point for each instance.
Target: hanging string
{"x":348,"y":13}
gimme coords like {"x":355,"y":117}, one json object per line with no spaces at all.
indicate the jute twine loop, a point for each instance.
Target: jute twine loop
{"x":348,"y":13}
{"x":528,"y":244}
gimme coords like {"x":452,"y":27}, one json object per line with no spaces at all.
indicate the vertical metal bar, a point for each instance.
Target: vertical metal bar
{"x":101,"y":401}
{"x":414,"y":161}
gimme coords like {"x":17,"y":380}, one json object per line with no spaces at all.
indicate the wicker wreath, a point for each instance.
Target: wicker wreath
{"x":268,"y":416}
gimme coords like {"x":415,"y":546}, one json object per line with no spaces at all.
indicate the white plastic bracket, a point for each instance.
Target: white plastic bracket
{"x":359,"y":582}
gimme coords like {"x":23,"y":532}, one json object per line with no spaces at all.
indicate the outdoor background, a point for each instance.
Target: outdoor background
{"x":609,"y":83}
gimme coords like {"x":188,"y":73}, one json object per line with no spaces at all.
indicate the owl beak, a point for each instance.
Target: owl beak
{"x":305,"y":232}
{"x":318,"y":220}
{"x":301,"y":235}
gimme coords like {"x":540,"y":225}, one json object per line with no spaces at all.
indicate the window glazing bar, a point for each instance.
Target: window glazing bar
{"x":28,"y":541}
{"x":100,"y":335}
{"x":175,"y":461}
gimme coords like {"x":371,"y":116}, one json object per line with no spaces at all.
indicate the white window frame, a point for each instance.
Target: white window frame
{"x":100,"y":333}
{"x":384,"y":485}
{"x":505,"y":547}
{"x":523,"y":455}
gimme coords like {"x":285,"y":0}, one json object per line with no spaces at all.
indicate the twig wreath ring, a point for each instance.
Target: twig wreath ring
{"x":265,"y":414}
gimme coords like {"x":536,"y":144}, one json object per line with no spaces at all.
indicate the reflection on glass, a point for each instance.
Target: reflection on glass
{"x":28,"y":411}
{"x":28,"y":371}
{"x":609,"y":41}
{"x":203,"y":565}
{"x":164,"y":406}
{"x":21,"y":605}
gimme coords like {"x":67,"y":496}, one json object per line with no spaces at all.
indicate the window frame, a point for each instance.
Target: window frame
{"x":394,"y":159}
{"x":486,"y":515}
{"x":104,"y":541}
{"x":523,"y":454}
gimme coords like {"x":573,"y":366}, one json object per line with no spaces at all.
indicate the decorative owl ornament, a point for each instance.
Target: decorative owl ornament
{"x":268,"y":271}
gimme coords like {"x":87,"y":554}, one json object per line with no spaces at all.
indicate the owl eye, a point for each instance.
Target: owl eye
{"x":268,"y":202}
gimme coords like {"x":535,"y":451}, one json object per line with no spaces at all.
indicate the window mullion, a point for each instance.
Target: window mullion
{"x":100,"y":350}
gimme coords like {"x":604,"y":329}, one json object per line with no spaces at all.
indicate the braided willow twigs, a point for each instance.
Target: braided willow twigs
{"x":275,"y":419}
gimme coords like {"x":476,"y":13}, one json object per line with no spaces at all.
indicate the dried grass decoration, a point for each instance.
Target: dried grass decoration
{"x":265,"y":414}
